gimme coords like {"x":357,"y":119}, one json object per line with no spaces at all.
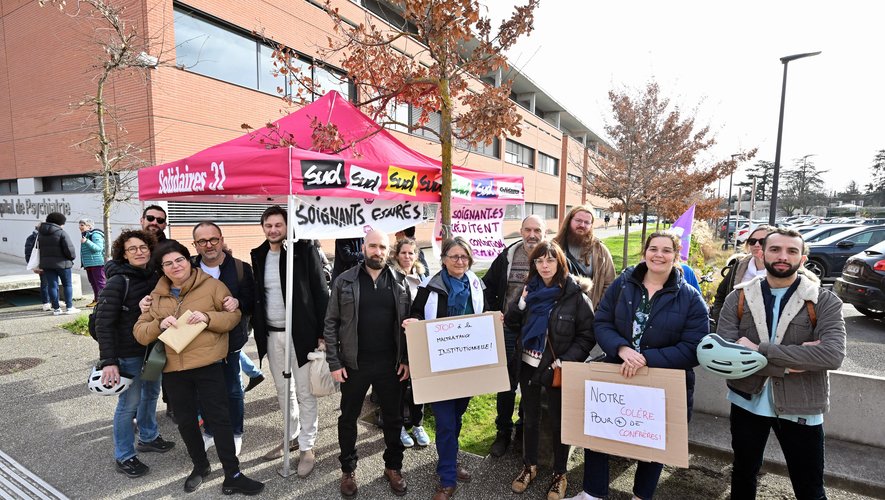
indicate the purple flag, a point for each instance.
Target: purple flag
{"x":682,"y":227}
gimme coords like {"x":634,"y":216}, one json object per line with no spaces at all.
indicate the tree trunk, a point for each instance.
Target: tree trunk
{"x":644,"y":224}
{"x":107,"y":193}
{"x":626,"y":236}
{"x":445,"y":137}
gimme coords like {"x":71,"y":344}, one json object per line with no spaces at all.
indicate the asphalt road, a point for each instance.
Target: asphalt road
{"x":866,"y":343}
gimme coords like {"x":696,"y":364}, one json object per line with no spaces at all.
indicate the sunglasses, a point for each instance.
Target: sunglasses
{"x":151,"y":218}
{"x":753,"y":241}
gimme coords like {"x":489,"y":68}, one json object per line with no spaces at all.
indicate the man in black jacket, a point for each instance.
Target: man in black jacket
{"x":56,"y":260}
{"x":504,"y":282}
{"x":238,"y":277}
{"x":310,"y":296}
{"x":366,"y":346}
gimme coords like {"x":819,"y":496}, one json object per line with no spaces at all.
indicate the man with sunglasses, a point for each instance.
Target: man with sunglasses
{"x":238,"y":277}
{"x":153,"y":220}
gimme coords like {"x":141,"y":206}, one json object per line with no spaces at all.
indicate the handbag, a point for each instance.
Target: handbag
{"x":34,"y":261}
{"x":154,"y":362}
{"x":321,"y":381}
{"x":557,"y":370}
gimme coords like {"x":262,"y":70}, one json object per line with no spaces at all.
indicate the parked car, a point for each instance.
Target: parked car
{"x":827,"y":257}
{"x":862,"y":283}
{"x":824,"y":231}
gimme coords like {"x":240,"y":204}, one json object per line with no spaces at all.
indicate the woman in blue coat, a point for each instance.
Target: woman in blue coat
{"x":650,"y":317}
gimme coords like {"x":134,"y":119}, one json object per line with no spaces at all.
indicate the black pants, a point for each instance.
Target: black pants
{"x":206,"y":385}
{"x":381,"y":375}
{"x":803,"y":447}
{"x":416,"y":411}
{"x":531,"y":407}
{"x":506,"y":400}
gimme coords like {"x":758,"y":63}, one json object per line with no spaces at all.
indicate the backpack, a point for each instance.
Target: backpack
{"x":123,"y":307}
{"x":812,"y":314}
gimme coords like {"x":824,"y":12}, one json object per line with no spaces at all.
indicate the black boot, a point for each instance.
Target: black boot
{"x":241,"y":484}
{"x":500,"y":445}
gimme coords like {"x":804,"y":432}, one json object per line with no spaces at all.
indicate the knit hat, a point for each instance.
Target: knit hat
{"x":87,"y":222}
{"x":56,"y":218}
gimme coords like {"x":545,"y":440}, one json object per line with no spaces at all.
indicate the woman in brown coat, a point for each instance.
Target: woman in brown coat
{"x":196,"y":372}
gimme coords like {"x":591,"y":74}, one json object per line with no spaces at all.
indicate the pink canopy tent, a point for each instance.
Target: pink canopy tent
{"x":378,"y":165}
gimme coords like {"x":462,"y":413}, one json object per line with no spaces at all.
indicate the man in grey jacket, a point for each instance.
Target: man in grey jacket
{"x":798,"y":326}
{"x":366,"y":346}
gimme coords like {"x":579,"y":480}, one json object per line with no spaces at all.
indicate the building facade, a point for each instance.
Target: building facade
{"x":214,"y":74}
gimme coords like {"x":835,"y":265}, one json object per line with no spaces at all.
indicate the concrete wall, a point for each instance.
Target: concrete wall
{"x":855,"y":405}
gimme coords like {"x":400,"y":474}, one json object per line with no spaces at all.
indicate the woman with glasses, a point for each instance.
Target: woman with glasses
{"x":555,"y":319}
{"x":453,"y":291}
{"x":741,"y":268}
{"x":649,"y":317}
{"x":196,"y":373}
{"x":116,"y":311}
{"x":404,"y":259}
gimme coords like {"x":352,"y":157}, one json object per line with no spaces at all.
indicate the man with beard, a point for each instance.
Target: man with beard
{"x":366,"y":346}
{"x":310,"y":296}
{"x":154,"y":221}
{"x":587,"y":256}
{"x":798,"y":326}
{"x":504,"y":282}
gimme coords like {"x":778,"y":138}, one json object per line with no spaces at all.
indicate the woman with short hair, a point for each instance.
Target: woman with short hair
{"x":741,"y":267}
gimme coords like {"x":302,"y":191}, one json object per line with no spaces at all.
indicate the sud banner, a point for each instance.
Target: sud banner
{"x":328,"y":218}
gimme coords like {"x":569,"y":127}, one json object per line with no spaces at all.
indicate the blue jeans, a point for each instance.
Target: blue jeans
{"x":448,"y":427}
{"x":52,"y":276}
{"x":44,"y":288}
{"x":139,"y":402}
{"x":248,"y":366}
{"x":234,"y":387}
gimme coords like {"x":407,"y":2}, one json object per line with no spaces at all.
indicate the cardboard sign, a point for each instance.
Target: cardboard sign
{"x":626,"y":417}
{"x":449,"y":359}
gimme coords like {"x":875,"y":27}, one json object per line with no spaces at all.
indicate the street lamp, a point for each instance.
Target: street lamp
{"x":728,"y":206}
{"x":780,"y":130}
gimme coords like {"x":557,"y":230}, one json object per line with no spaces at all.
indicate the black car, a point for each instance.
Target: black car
{"x":828,"y":256}
{"x":863,"y":281}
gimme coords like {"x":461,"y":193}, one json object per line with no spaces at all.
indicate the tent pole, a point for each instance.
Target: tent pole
{"x":290,"y":230}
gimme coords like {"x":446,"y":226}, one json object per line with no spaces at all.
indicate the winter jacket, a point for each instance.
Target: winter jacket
{"x":603,"y":269}
{"x":56,"y":247}
{"x":202,"y":293}
{"x":310,"y":298}
{"x":432,"y":300}
{"x":805,"y":393}
{"x":29,"y":245}
{"x":115,"y":316}
{"x":92,"y":250}
{"x":342,"y":319}
{"x":496,"y":277}
{"x":348,"y":253}
{"x":569,"y":328}
{"x":243,"y":291}
{"x":676,"y":323}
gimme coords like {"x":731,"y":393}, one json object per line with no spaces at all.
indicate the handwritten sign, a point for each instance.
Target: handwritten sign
{"x":462,"y":343}
{"x":627,"y":413}
{"x":482,"y":226}
{"x":328,"y":217}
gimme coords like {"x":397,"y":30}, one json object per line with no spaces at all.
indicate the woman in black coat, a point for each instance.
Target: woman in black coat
{"x":555,"y":321}
{"x":128,"y":281}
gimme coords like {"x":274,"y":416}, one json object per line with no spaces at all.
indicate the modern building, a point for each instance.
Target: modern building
{"x":215,"y":73}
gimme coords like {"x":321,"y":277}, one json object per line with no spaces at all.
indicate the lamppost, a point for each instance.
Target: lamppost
{"x":780,"y":130}
{"x":728,"y":206}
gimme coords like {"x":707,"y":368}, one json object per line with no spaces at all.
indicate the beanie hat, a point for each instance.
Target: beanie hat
{"x":87,"y":222}
{"x":56,"y":218}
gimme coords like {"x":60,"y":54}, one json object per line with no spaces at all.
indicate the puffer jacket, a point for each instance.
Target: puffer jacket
{"x":201,"y":293}
{"x":92,"y":250}
{"x":677,"y":322}
{"x":56,"y":247}
{"x":569,"y":327}
{"x":114,"y":316}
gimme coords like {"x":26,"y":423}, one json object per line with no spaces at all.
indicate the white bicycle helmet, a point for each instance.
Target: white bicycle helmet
{"x":97,"y":387}
{"x":727,"y":359}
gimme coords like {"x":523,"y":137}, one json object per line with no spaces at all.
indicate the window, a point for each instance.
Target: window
{"x":514,"y":212}
{"x":9,"y":187}
{"x":548,"y":164}
{"x":867,"y":238}
{"x":493,"y":149}
{"x":544,"y":210}
{"x":73,"y":183}
{"x":520,"y":155}
{"x":573,"y":178}
{"x":267,"y":82}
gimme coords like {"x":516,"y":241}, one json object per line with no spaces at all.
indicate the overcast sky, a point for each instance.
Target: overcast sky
{"x":723,"y":59}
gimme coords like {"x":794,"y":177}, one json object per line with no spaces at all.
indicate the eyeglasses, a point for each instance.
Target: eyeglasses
{"x":136,"y":249}
{"x":151,"y":218}
{"x":459,"y":258}
{"x":541,"y":261}
{"x":177,"y":262}
{"x":582,"y":222}
{"x":753,"y":241}
{"x":202,"y":243}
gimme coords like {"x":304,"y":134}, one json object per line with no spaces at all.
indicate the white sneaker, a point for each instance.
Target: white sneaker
{"x":57,"y":312}
{"x":405,"y":438}
{"x":238,"y":444}
{"x":208,"y":442}
{"x":72,"y":310}
{"x":583,"y":496}
{"x":47,"y":306}
{"x":421,"y":437}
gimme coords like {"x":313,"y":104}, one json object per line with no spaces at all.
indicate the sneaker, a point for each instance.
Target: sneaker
{"x":92,"y":304}
{"x":557,"y":488}
{"x":524,"y":479}
{"x":500,"y":445}
{"x":421,"y":437}
{"x":56,"y":312}
{"x":253,"y":381}
{"x":241,"y":484}
{"x":195,"y":479}
{"x":132,"y":467}
{"x":72,"y":310}
{"x":583,"y":496}
{"x":208,"y":441}
{"x":306,"y":463}
{"x":406,"y":439}
{"x":158,"y":445}
{"x":47,"y":307}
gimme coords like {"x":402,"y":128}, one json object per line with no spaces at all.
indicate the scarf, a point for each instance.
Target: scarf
{"x":459,"y":292}
{"x":540,"y":301}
